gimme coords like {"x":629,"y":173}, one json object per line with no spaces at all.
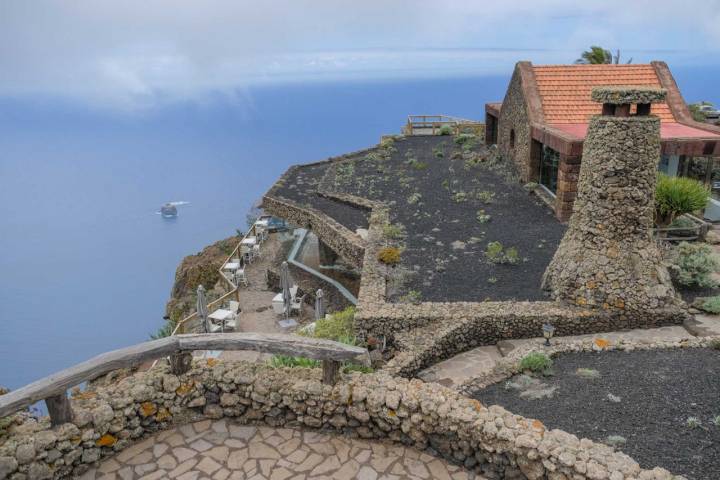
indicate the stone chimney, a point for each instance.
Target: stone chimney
{"x":608,"y":258}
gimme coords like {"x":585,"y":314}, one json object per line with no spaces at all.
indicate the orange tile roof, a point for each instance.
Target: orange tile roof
{"x":565,"y":89}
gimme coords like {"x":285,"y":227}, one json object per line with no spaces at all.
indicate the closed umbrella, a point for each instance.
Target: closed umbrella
{"x":201,"y":307}
{"x":285,"y":284}
{"x":319,"y":305}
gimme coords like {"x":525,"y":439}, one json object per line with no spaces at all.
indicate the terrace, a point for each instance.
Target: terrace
{"x":448,"y":199}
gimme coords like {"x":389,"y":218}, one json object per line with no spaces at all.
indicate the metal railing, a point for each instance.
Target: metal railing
{"x":433,"y":124}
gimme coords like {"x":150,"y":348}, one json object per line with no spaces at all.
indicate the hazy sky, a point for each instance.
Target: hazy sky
{"x":139,"y":53}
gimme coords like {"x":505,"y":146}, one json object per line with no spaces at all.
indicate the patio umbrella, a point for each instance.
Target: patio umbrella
{"x":319,"y":305}
{"x":285,"y":284}
{"x":201,"y":307}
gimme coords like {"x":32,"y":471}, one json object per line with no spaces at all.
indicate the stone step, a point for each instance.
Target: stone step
{"x":463,"y":367}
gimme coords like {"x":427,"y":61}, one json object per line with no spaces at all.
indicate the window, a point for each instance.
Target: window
{"x":512,"y":138}
{"x":549,"y":168}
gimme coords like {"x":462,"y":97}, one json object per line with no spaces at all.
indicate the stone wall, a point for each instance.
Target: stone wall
{"x":429,"y":332}
{"x":345,"y":243}
{"x":491,"y":441}
{"x":514,"y":118}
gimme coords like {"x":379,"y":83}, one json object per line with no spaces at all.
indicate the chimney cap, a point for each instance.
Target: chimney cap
{"x":623,"y":95}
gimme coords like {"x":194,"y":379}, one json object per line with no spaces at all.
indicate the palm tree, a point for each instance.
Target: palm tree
{"x":598,"y":55}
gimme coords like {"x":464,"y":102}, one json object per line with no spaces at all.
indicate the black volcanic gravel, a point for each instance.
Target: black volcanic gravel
{"x":445,"y":243}
{"x":659,"y":390}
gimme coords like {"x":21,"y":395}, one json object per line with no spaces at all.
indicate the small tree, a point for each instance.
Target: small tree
{"x":675,"y":196}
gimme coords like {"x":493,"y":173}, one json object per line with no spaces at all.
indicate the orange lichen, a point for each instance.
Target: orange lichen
{"x":185,"y":388}
{"x":392,"y":413}
{"x":147,"y":409}
{"x":477,"y":405}
{"x":601,"y":343}
{"x":86,"y":395}
{"x":538,"y":425}
{"x":620,"y":303}
{"x":211,"y":362}
{"x":581,"y":301}
{"x":106,"y":440}
{"x":591,"y":285}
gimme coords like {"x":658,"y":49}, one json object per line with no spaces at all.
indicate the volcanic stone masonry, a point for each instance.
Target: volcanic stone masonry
{"x":607,"y":258}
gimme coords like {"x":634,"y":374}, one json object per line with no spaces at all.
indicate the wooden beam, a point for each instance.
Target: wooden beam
{"x":59,"y":409}
{"x":330,"y":371}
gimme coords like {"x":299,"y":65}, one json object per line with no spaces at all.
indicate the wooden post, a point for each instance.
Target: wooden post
{"x":330,"y":371}
{"x":180,"y":362}
{"x":59,"y":409}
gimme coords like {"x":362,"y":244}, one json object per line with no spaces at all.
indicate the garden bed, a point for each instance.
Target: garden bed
{"x":435,"y":190}
{"x":662,"y":403}
{"x":451,"y":202}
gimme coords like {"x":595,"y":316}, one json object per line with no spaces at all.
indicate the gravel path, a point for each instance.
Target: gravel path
{"x":654,"y":392}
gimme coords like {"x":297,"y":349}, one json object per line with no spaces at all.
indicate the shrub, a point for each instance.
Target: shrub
{"x":482,"y":217}
{"x":587,"y":373}
{"x":675,"y":196}
{"x":464,"y":138}
{"x":495,"y":253}
{"x":716,"y":420}
{"x":711,"y":305}
{"x":530,"y":186}
{"x":460,"y":197}
{"x":446,"y":130}
{"x":715,"y":344}
{"x":615,"y":440}
{"x":536,"y":362}
{"x":438,"y":152}
{"x":413,"y":296}
{"x":416,"y":164}
{"x":485,"y":196}
{"x":393,"y":231}
{"x":338,"y":326}
{"x":278,"y":361}
{"x":693,"y":264}
{"x":414,"y":198}
{"x":389,"y":255}
{"x":693,"y":422}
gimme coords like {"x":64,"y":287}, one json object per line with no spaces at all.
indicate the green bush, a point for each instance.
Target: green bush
{"x":464,"y":138}
{"x":338,"y":326}
{"x":712,"y":305}
{"x":536,"y":362}
{"x":675,"y":196}
{"x":496,"y":253}
{"x":446,"y":130}
{"x":482,"y":217}
{"x":393,"y":231}
{"x":693,"y":264}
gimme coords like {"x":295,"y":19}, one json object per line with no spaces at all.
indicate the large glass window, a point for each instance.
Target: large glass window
{"x":549,"y":168}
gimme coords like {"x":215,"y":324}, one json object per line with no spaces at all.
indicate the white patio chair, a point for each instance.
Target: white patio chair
{"x":231,"y":323}
{"x":234,"y":306}
{"x":296,"y":305}
{"x":256,"y":251}
{"x":240,"y":277}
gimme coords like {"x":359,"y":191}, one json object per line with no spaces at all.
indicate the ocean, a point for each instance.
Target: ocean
{"x":87,"y":264}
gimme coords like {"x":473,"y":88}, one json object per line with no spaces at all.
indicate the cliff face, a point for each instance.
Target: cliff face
{"x":200,"y":268}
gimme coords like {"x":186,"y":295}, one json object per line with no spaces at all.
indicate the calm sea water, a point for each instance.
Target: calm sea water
{"x":86,"y":264}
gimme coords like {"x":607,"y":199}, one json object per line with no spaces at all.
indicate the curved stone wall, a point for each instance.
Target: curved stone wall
{"x":491,"y":440}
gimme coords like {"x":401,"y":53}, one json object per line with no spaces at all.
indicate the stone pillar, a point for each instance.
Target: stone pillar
{"x":608,"y":258}
{"x":568,"y":173}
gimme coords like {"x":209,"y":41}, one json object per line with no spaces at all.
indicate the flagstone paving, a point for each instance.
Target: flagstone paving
{"x":221,"y":450}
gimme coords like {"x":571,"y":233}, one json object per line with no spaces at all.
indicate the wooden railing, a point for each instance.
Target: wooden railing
{"x":420,"y":124}
{"x":53,"y":389}
{"x":186,"y":324}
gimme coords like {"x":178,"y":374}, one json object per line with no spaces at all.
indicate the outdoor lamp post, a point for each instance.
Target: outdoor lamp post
{"x":548,"y":332}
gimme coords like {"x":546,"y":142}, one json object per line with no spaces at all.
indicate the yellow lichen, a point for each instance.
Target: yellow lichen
{"x":163,"y":414}
{"x":147,"y":409}
{"x":185,"y":388}
{"x":581,"y":301}
{"x":106,"y":440}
